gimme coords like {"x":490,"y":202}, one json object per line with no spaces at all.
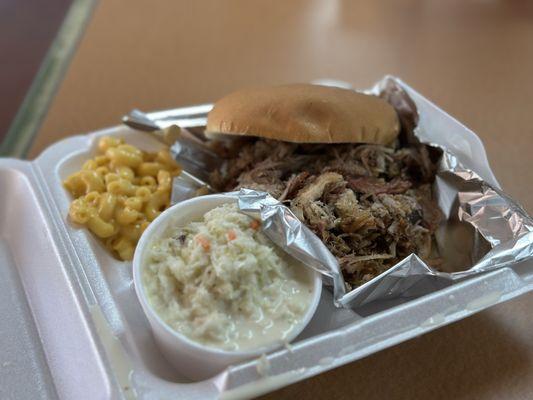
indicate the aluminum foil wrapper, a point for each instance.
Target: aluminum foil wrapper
{"x":281,"y":226}
{"x":484,"y":229}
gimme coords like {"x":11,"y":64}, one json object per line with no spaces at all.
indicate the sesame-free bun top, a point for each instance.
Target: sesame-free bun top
{"x":305,"y":113}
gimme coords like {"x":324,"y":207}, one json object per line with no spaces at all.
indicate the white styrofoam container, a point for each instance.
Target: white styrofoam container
{"x":84,"y":334}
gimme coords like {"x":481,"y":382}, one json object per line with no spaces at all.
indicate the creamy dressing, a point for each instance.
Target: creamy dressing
{"x":223,"y":283}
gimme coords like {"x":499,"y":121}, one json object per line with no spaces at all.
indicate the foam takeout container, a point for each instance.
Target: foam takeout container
{"x":74,"y":328}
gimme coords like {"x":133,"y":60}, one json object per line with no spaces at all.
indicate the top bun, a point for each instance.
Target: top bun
{"x":305,"y":113}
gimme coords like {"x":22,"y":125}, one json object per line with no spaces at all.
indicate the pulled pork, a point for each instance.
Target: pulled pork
{"x":371,"y":205}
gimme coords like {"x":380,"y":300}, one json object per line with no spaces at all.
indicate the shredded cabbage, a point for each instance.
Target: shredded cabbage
{"x":223,"y":283}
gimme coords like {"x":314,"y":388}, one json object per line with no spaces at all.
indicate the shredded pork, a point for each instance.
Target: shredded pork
{"x":371,"y":205}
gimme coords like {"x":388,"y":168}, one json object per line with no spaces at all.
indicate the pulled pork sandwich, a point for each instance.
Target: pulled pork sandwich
{"x":337,"y":159}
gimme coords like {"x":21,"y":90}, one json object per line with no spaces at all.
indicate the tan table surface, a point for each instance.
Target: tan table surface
{"x":472,"y":58}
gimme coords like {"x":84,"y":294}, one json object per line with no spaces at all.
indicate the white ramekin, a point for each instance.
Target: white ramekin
{"x":191,"y":359}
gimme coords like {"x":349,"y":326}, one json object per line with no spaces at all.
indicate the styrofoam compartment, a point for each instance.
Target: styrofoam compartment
{"x":86,"y":336}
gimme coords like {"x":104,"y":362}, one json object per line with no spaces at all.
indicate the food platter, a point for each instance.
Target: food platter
{"x":91,"y":339}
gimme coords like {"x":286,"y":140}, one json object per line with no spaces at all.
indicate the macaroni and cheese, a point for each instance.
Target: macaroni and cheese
{"x":120,"y":191}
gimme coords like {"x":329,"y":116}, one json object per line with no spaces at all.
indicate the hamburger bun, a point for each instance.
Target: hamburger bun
{"x":305,"y":113}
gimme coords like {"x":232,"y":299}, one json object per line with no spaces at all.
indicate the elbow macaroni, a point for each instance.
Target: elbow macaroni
{"x":120,"y":191}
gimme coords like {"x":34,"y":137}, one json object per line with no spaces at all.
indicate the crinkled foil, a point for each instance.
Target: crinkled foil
{"x":484,"y":228}
{"x":281,"y":226}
